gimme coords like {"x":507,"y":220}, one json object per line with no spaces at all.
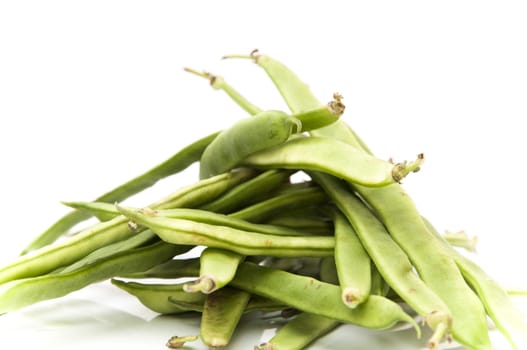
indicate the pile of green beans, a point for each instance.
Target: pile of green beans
{"x":344,"y":245}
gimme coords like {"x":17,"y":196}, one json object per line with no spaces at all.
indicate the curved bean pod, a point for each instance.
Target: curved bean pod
{"x":333,"y":157}
{"x":242,"y":242}
{"x":20,"y":293}
{"x":178,"y":162}
{"x":310,"y":295}
{"x":265,"y":129}
{"x":156,"y":297}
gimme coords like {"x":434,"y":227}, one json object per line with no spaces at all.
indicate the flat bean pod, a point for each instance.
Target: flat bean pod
{"x":265,"y":129}
{"x":178,"y":162}
{"x":20,"y":293}
{"x":221,"y":313}
{"x":239,"y":241}
{"x":313,"y":296}
{"x":300,"y":332}
{"x":157,"y":297}
{"x":333,"y":157}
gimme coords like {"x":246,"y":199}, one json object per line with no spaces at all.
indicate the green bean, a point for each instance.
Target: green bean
{"x":333,"y":157}
{"x":178,"y":162}
{"x":402,"y":220}
{"x":239,"y":241}
{"x":298,"y":198}
{"x":352,"y":262}
{"x":298,"y":333}
{"x":389,"y":258}
{"x":217,"y":269}
{"x":157,"y":297}
{"x":221,"y":314}
{"x":196,"y":215}
{"x":249,"y":192}
{"x":174,"y":268}
{"x":99,"y":235}
{"x":307,"y":224}
{"x":140,"y":239}
{"x":218,"y":83}
{"x":508,"y":319}
{"x":20,"y":293}
{"x":310,"y":295}
{"x":268,"y":128}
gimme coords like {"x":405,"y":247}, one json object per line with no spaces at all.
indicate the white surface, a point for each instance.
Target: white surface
{"x":92,"y":93}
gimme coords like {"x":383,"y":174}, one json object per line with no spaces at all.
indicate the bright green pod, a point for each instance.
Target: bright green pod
{"x":265,"y":129}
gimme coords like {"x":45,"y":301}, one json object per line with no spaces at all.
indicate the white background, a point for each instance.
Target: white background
{"x":93,"y":93}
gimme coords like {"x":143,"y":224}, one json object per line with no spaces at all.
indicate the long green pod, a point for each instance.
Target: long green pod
{"x":101,"y":234}
{"x":197,"y":215}
{"x":157,"y":297}
{"x":178,"y":231}
{"x":20,"y":293}
{"x":221,"y":314}
{"x":174,"y":268}
{"x":249,"y":192}
{"x":352,"y":262}
{"x":390,"y":260}
{"x":401,"y":219}
{"x":505,"y":315}
{"x":298,"y":333}
{"x":178,"y":162}
{"x":256,"y":303}
{"x":247,"y":136}
{"x":297,"y":198}
{"x":333,"y":157}
{"x":217,"y":269}
{"x":310,"y":295}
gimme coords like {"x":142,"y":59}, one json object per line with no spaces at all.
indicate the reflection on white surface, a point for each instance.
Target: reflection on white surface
{"x":102,"y":315}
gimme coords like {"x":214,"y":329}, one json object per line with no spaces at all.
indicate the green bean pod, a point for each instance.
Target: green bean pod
{"x":178,"y":162}
{"x":20,"y":293}
{"x":239,"y":241}
{"x":298,"y":333}
{"x":174,"y":268}
{"x":217,"y":269}
{"x":310,"y":295}
{"x":196,"y":215}
{"x":249,"y":135}
{"x":352,"y":262}
{"x":157,"y":297}
{"x":101,"y":234}
{"x":333,"y":157}
{"x":249,"y":192}
{"x":221,"y":313}
{"x":294,"y":199}
{"x":256,"y":303}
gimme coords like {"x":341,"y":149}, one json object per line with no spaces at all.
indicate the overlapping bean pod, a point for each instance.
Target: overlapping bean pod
{"x":346,"y":246}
